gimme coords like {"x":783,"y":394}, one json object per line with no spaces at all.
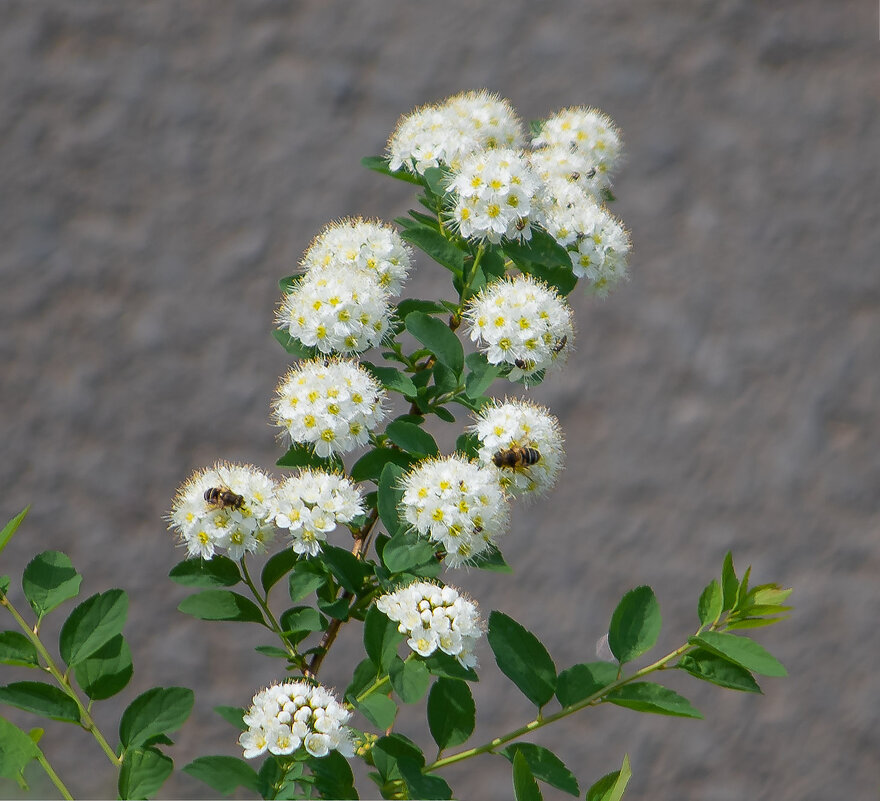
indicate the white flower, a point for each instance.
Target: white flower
{"x":311,"y":503}
{"x":584,"y":130}
{"x":337,"y":309}
{"x":596,"y":241}
{"x":522,"y":322}
{"x":495,"y":192}
{"x":442,"y":135}
{"x":285,"y":717}
{"x":457,"y":504}
{"x":362,"y":245}
{"x":513,"y":426}
{"x":435,"y":617}
{"x":330,"y":404}
{"x":226,"y":507}
{"x":561,"y":169}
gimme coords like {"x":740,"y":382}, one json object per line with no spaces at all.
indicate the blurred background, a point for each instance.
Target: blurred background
{"x":164,"y":164}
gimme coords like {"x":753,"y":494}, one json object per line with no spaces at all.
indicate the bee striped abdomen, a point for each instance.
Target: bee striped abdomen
{"x":516,"y":457}
{"x":222,"y":498}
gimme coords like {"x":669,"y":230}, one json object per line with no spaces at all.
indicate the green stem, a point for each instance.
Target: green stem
{"x":541,"y":721}
{"x":380,"y":682}
{"x":87,"y":722}
{"x":56,"y":780}
{"x":467,"y":279}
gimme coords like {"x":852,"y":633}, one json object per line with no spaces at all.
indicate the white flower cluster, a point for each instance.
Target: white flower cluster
{"x":505,"y":431}
{"x":330,"y":404}
{"x":285,"y":717}
{"x":226,"y":507}
{"x":435,"y":617}
{"x":521,"y":322}
{"x":364,"y":246}
{"x":495,"y":191}
{"x":596,"y":241}
{"x":457,"y":504}
{"x":311,"y":503}
{"x":337,"y":310}
{"x":441,"y":135}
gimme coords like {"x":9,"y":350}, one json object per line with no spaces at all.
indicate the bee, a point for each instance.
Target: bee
{"x":516,"y":457}
{"x":559,"y":345}
{"x":222,"y":498}
{"x":521,"y":223}
{"x":524,"y":364}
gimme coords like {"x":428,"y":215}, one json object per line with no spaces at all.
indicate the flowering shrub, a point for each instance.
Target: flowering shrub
{"x":517,"y":224}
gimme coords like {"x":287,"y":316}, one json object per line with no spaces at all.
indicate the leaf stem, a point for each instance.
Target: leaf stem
{"x":56,"y":779}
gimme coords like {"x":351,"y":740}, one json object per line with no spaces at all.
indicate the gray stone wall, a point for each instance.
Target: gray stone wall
{"x":163,"y":164}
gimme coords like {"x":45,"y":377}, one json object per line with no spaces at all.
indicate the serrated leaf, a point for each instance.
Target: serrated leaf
{"x":438,"y":338}
{"x":16,"y":750}
{"x":446,"y":666}
{"x":544,"y":765}
{"x":525,"y":788}
{"x":333,"y":776}
{"x":705,"y":665}
{"x":412,"y":438}
{"x":481,"y":374}
{"x":389,"y":498}
{"x":48,"y":581}
{"x":392,"y":379}
{"x":223,"y":773}
{"x":729,"y":582}
{"x":410,"y":679}
{"x":583,"y":680}
{"x":16,"y":649}
{"x":742,"y":651}
{"x":380,"y":164}
{"x":379,"y":709}
{"x":406,"y":551}
{"x":107,"y":671}
{"x":710,"y":604}
{"x":92,"y":624}
{"x":381,"y":638}
{"x":451,"y":712}
{"x":612,"y":786}
{"x":307,"y":576}
{"x":645,"y":696}
{"x":338,"y":609}
{"x":635,"y":624}
{"x":522,"y":658}
{"x":11,"y":527}
{"x":392,"y":749}
{"x":233,"y":715}
{"x":143,"y":772}
{"x":220,"y":571}
{"x":277,"y":567}
{"x":157,"y":711}
{"x":41,"y":699}
{"x":221,"y":605}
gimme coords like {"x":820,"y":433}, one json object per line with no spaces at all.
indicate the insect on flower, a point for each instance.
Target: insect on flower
{"x":516,"y":457}
{"x":222,"y":498}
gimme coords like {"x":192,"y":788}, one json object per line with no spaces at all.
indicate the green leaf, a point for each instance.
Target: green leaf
{"x":157,"y":711}
{"x":525,"y":788}
{"x":271,"y":651}
{"x":107,"y":671}
{"x":544,"y":765}
{"x":379,"y":709}
{"x":729,"y":582}
{"x":437,"y":246}
{"x":390,"y":496}
{"x":452,"y":714}
{"x":437,"y":337}
{"x":16,"y":751}
{"x":544,"y":258}
{"x":220,"y":571}
{"x":443,"y":413}
{"x":292,"y":345}
{"x":607,"y":195}
{"x":277,"y":567}
{"x":289,"y":283}
{"x":635,"y":624}
{"x":522,"y":658}
{"x":716,"y":669}
{"x":348,"y":570}
{"x":709,"y":607}
{"x":221,"y":605}
{"x":304,"y":456}
{"x":380,"y":164}
{"x":489,"y":559}
{"x":338,"y":609}
{"x":307,"y":576}
{"x":370,"y":465}
{"x":435,"y":179}
{"x":481,"y":374}
{"x":410,"y":679}
{"x":233,"y":715}
{"x":407,"y":552}
{"x":741,"y":651}
{"x":364,"y":675}
{"x":143,"y":772}
{"x":48,"y":581}
{"x":389,"y":751}
{"x":41,"y":699}
{"x":16,"y":649}
{"x":412,"y":438}
{"x":333,"y":776}
{"x":581,"y":681}
{"x":302,"y":619}
{"x":413,"y":304}
{"x":755,"y":622}
{"x":11,"y":527}
{"x":381,"y":639}
{"x":468,"y":444}
{"x":448,"y":667}
{"x":423,"y":785}
{"x":223,"y":773}
{"x":93,"y":623}
{"x":392,"y":379}
{"x":645,"y":696}
{"x":612,"y":786}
